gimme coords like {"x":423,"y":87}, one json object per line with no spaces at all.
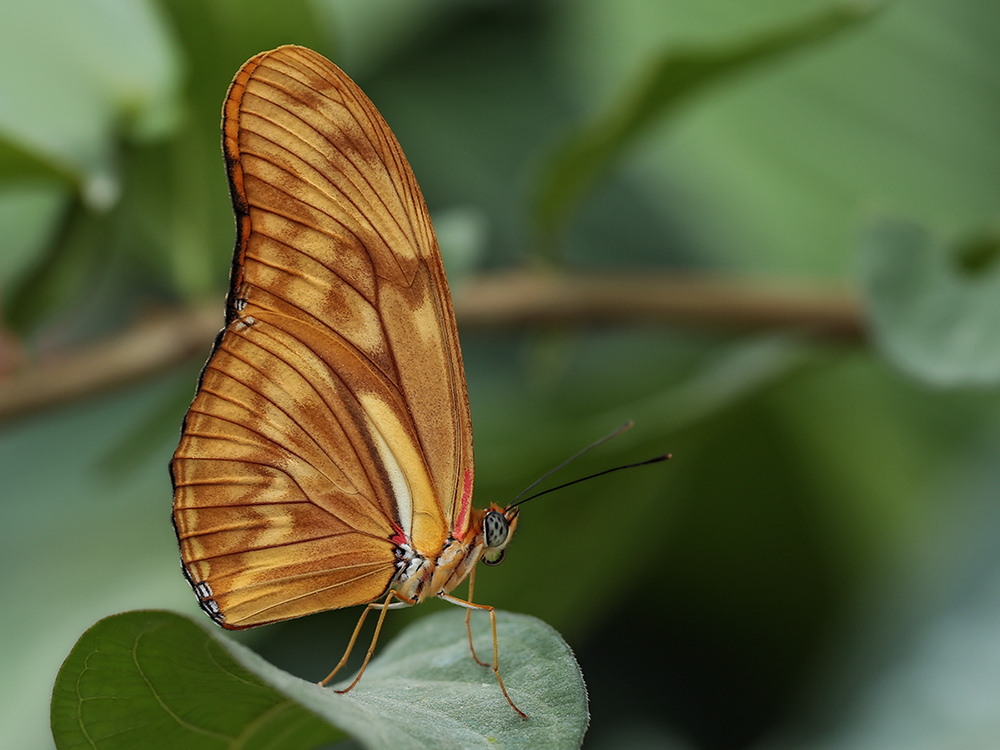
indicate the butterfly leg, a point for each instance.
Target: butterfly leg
{"x":350,"y":647}
{"x":496,"y":659}
{"x":385,"y":607}
{"x":468,"y":619}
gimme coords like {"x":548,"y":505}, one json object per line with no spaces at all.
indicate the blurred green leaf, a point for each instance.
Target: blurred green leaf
{"x":97,"y":70}
{"x":173,"y":225}
{"x":462,"y":234}
{"x":669,"y":81}
{"x":627,"y":376}
{"x":218,"y":36}
{"x":135,"y":238}
{"x":977,"y":255}
{"x":86,"y":544}
{"x":471,"y":115}
{"x":18,"y":164}
{"x":777,"y":171}
{"x":158,"y":425}
{"x":28,"y":210}
{"x":156,"y":679}
{"x":62,"y":270}
{"x":931,"y":315}
{"x":371,"y":31}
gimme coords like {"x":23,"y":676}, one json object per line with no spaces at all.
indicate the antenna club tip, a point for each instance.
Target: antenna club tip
{"x":625,"y":427}
{"x":648,"y":461}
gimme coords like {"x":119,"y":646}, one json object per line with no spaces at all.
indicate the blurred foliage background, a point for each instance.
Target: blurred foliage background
{"x":819,"y":565}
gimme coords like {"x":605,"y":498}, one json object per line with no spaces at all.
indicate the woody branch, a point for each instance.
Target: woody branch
{"x":514,"y":298}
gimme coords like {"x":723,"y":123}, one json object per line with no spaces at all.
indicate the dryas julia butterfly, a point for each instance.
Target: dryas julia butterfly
{"x":326,"y":460}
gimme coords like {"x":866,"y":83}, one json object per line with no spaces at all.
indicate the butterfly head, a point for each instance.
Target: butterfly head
{"x":498,"y":528}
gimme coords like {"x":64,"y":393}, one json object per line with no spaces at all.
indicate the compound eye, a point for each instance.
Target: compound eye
{"x":495,"y":530}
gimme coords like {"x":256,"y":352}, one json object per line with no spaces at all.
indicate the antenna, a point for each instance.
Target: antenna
{"x":614,"y":433}
{"x":664,"y":457}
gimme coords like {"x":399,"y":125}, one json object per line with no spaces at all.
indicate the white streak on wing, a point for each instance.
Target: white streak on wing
{"x":400,"y":487}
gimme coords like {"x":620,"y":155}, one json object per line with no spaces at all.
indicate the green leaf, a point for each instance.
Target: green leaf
{"x":97,"y":69}
{"x":156,"y":679}
{"x":218,"y":36}
{"x":16,"y":163}
{"x":462,"y":235}
{"x":64,"y":268}
{"x":368,"y":33}
{"x":668,"y":82}
{"x":979,"y":254}
{"x":934,"y":313}
{"x":27,"y":211}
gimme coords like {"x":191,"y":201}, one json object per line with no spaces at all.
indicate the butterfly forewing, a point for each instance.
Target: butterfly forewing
{"x":332,"y":416}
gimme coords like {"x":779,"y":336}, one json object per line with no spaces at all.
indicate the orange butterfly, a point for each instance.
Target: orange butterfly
{"x":326,"y":460}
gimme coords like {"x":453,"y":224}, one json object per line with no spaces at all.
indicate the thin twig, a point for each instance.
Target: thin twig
{"x":727,"y":303}
{"x":503,"y":299}
{"x":145,"y":349}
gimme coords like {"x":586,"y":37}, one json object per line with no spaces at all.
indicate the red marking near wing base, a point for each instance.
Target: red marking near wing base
{"x":462,"y":519}
{"x":399,"y":537}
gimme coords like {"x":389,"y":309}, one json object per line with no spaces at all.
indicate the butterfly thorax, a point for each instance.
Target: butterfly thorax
{"x":418,"y":577}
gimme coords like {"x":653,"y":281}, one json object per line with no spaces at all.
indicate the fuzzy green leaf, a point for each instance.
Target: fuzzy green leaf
{"x":156,"y":679}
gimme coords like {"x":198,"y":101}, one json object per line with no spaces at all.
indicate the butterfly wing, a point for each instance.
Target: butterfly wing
{"x":331,"y":422}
